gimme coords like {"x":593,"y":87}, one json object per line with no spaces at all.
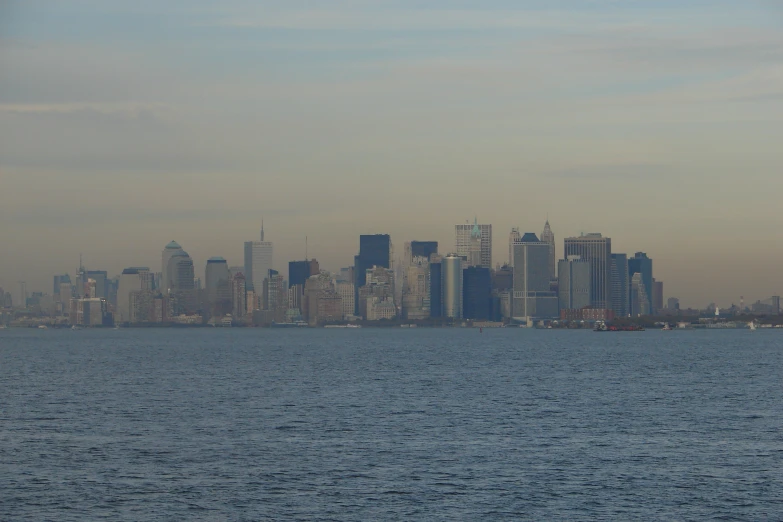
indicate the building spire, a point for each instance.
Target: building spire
{"x":262,"y":229}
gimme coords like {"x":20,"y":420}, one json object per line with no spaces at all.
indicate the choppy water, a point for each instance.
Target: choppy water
{"x":368,"y":424}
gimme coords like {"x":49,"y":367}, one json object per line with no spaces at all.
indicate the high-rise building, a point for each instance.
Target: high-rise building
{"x":513,"y":238}
{"x":574,"y":283}
{"x":673,"y":303}
{"x":300,"y":271}
{"x":476,"y":293}
{"x":101,"y":278}
{"x":258,"y":262}
{"x":168,"y":252}
{"x":346,"y":292}
{"x":216,"y":280}
{"x":548,"y":237}
{"x":132,"y":280}
{"x":640,"y":302}
{"x":619,"y":284}
{"x":378,"y":291}
{"x":416,"y":289}
{"x":451,"y":267}
{"x":374,"y":251}
{"x":657,"y":297}
{"x":641,"y":264}
{"x":464,"y":240}
{"x":598,"y":251}
{"x":238,"y":297}
{"x":532,"y":298}
{"x":436,"y":286}
{"x":58,"y":280}
{"x":420,"y":249}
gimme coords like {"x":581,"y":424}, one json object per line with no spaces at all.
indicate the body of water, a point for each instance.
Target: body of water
{"x":390,"y":424}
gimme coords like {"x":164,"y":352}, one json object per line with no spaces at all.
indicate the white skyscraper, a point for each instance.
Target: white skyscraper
{"x":464,"y":236}
{"x":258,"y":262}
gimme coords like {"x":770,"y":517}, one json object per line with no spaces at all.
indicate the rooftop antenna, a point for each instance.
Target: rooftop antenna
{"x":262,"y":229}
{"x":306,"y":258}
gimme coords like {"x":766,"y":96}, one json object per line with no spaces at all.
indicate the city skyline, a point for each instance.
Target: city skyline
{"x":126,"y":125}
{"x":335,"y":263}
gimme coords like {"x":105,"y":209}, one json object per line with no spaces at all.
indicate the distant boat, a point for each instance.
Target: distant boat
{"x":42,"y":327}
{"x":752,"y":326}
{"x":666,"y":327}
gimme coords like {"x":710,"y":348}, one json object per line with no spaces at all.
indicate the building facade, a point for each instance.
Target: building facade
{"x":532,"y":297}
{"x":598,"y":251}
{"x":574,"y":287}
{"x":451,"y":268}
{"x":643,"y":265}
{"x":464,"y":239}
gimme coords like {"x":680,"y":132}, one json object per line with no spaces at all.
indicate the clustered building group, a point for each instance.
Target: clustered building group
{"x":588,"y":282}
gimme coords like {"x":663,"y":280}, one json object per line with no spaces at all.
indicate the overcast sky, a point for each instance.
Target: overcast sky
{"x":124,"y":125}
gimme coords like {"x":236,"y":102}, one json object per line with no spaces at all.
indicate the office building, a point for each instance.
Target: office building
{"x":598,"y":251}
{"x":379,"y":289}
{"x":168,"y":252}
{"x":422,"y":249}
{"x":436,"y":286}
{"x":258,"y":262}
{"x":374,"y":251}
{"x":218,"y":289}
{"x":300,"y":271}
{"x":574,"y":283}
{"x":513,"y":238}
{"x":641,"y":264}
{"x":673,"y":304}
{"x":657,"y":297}
{"x":346,"y":291}
{"x":619,"y":285}
{"x":477,"y":293}
{"x":451,"y":267}
{"x":132,"y":280}
{"x":416,"y":289}
{"x":238,"y":297}
{"x":548,"y":237}
{"x":59,"y":280}
{"x":640,"y":301}
{"x":465,"y":242}
{"x":101,"y":278}
{"x":532,"y":297}
{"x":89,"y":311}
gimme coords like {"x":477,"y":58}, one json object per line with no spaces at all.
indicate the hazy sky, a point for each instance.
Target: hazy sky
{"x":124,"y":125}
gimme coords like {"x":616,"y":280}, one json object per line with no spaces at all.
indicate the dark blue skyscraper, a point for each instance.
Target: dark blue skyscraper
{"x":424,"y":248}
{"x":374,"y":250}
{"x":641,"y":264}
{"x":298,"y":273}
{"x":476,"y":293}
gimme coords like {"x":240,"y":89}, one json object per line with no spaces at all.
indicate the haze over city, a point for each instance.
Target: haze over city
{"x":126,"y":125}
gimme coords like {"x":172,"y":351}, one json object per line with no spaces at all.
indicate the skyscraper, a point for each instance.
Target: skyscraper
{"x":476,"y":293}
{"x":532,"y":297}
{"x":513,"y":238}
{"x":258,"y":262}
{"x":598,"y":251}
{"x":132,"y":280}
{"x":452,"y":286}
{"x":464,"y":237}
{"x":374,"y":250}
{"x":436,"y":286}
{"x":548,"y":237}
{"x":218,"y":287}
{"x":619,"y":285}
{"x":640,"y":302}
{"x":168,"y":251}
{"x":420,"y":249}
{"x":641,"y":264}
{"x":181,"y":283}
{"x":574,"y":287}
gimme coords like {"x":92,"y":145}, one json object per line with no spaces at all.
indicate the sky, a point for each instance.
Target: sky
{"x":124,"y":125}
